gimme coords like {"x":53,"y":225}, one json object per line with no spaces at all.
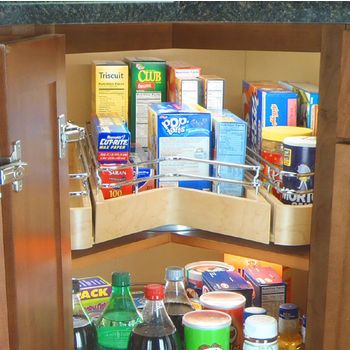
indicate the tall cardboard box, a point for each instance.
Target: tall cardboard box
{"x":147,"y":85}
{"x":110,"y":83}
{"x":213,"y":89}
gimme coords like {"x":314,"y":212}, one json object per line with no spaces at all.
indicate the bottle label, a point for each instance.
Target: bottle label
{"x":114,"y":337}
{"x":259,"y":346}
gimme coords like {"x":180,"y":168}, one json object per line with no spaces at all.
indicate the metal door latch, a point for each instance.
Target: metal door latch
{"x":12,"y":168}
{"x":68,"y":132}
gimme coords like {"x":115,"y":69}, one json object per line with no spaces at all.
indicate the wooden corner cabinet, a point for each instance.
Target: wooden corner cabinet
{"x":35,"y":243}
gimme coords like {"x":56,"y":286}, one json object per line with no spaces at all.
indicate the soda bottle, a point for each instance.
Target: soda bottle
{"x":176,"y":301}
{"x":119,"y":317}
{"x":157,"y":331}
{"x":288,"y":327}
{"x":85,"y":337}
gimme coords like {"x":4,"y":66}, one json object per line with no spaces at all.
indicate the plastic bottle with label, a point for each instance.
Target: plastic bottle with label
{"x":119,"y":317}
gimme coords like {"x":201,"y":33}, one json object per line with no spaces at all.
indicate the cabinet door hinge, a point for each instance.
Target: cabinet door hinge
{"x":67,"y":132}
{"x":12,"y":169}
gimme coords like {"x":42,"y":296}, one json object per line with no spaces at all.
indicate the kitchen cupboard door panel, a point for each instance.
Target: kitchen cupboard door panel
{"x":36,"y":220}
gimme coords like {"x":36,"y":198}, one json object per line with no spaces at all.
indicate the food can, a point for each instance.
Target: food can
{"x":299,"y":157}
{"x":207,"y":329}
{"x":233,"y":304}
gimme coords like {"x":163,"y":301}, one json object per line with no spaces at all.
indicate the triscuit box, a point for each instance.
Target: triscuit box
{"x":147,"y":85}
{"x":188,"y":91}
{"x":111,"y":139}
{"x":213,"y":89}
{"x":110,"y":84}
{"x":138,"y":155}
{"x":228,"y":281}
{"x":179,"y":70}
{"x":307,"y":103}
{"x":229,"y":140}
{"x":94,"y":295}
{"x":269,"y":289}
{"x":184,"y":130}
{"x":267,"y":104}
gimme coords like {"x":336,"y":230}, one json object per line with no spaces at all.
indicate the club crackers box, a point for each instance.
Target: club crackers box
{"x":229,"y":145}
{"x":213,"y":90}
{"x":308,"y":97}
{"x":139,"y":155}
{"x":269,"y":289}
{"x":228,"y":281}
{"x":188,"y":90}
{"x":147,"y":85}
{"x":110,"y":84}
{"x":111,"y":139}
{"x":267,"y":104}
{"x":94,"y":294}
{"x":179,"y":70}
{"x":180,"y":130}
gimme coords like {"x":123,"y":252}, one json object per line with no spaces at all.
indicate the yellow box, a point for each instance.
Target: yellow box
{"x":110,"y":83}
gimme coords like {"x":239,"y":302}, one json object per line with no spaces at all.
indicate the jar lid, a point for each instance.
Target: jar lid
{"x":222,"y":300}
{"x":279,"y":133}
{"x":253,"y":310}
{"x":300,"y":141}
{"x":289,"y":311}
{"x":206,"y":319}
{"x":260,"y":327}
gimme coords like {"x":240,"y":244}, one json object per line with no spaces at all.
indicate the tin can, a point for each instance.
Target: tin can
{"x":299,"y":157}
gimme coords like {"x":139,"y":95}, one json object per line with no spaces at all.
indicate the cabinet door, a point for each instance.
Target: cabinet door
{"x":35,"y":221}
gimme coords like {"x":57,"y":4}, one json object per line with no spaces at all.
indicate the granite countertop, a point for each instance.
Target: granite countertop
{"x":61,"y":12}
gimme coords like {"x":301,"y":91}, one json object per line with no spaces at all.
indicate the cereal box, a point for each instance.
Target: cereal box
{"x":147,"y":85}
{"x":188,"y":90}
{"x":179,"y":70}
{"x":308,"y":97}
{"x":213,"y":89}
{"x":94,"y":295}
{"x":110,"y":83}
{"x":267,"y":104}
{"x":269,"y":289}
{"x":111,"y":138}
{"x":180,"y":131}
{"x":229,"y":140}
{"x":228,"y":281}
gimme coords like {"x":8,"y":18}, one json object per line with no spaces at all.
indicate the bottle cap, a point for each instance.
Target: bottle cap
{"x":260,"y":327}
{"x":289,"y":311}
{"x":253,"y":310}
{"x":120,"y":279}
{"x":154,"y":292}
{"x":174,"y":273}
{"x":75,"y":285}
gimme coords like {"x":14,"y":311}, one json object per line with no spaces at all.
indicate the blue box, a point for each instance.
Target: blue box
{"x":229,"y":145}
{"x":180,"y":130}
{"x":308,"y":97}
{"x":112,"y":139}
{"x":267,"y":104}
{"x":269,"y":289}
{"x":228,"y":281}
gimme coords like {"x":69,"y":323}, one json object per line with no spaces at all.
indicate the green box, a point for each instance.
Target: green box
{"x":147,"y":85}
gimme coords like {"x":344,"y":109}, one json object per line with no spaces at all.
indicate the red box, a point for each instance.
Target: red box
{"x":114,"y":176}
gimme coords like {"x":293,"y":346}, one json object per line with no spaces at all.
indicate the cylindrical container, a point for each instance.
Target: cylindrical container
{"x":272,"y":147}
{"x":299,"y":157}
{"x":260,"y":333}
{"x":233,"y":304}
{"x":253,"y":310}
{"x":193,"y":273}
{"x":207,"y":329}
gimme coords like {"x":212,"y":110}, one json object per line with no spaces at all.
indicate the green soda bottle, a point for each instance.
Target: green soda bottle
{"x":119,"y":317}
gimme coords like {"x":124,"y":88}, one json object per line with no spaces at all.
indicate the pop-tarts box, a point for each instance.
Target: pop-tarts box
{"x":229,"y":145}
{"x":94,"y":295}
{"x":267,"y":104}
{"x":269,"y":289}
{"x":228,"y":281}
{"x":307,"y":103}
{"x":180,"y":130}
{"x":112,"y":139}
{"x":138,"y":155}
